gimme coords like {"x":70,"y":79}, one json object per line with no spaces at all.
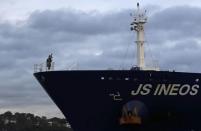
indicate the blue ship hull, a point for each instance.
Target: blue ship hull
{"x":126,"y":100}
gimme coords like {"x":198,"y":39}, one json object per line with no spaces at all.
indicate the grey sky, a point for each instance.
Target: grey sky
{"x":93,"y":34}
{"x":21,"y":9}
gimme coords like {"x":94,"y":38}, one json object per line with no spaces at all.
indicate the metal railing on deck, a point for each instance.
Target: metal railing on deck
{"x":43,"y":67}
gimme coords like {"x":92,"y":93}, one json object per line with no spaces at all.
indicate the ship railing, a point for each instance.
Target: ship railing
{"x":42,"y":67}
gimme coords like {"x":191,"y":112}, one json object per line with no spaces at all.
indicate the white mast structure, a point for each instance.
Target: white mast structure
{"x":138,"y":25}
{"x":140,"y":19}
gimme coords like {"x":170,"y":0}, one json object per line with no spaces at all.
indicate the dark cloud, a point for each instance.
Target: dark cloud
{"x":177,"y":23}
{"x":91,"y":40}
{"x":174,"y":34}
{"x":77,"y":22}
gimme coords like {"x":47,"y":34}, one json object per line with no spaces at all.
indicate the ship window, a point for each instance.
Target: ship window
{"x":126,"y":78}
{"x":196,"y":80}
{"x":102,"y":78}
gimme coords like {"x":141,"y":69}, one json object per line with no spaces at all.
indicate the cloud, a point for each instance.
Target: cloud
{"x":175,"y":35}
{"x":77,"y":22}
{"x":178,"y":21}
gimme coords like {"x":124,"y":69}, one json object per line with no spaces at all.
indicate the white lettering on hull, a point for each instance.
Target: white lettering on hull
{"x":166,"y":89}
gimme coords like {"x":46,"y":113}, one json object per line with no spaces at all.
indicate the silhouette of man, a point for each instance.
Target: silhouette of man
{"x":49,"y":62}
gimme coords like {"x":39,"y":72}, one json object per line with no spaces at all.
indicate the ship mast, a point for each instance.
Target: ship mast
{"x":140,"y":19}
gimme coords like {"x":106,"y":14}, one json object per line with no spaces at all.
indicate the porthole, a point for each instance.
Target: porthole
{"x":126,"y":78}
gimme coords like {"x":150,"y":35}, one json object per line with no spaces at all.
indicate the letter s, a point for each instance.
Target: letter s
{"x":194,"y":90}
{"x":146,"y":89}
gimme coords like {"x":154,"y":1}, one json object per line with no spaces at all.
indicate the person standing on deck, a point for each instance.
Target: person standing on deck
{"x":49,"y":62}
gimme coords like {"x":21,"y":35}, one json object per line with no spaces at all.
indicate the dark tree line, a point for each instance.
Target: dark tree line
{"x":30,"y":122}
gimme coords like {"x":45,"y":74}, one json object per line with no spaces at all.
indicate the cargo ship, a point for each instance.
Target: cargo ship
{"x":140,"y":99}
